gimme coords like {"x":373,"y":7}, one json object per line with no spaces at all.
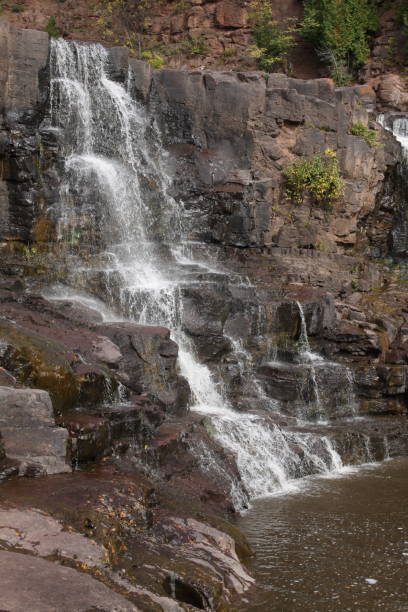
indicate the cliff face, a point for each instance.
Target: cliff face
{"x":228,"y":138}
{"x":187,"y":33}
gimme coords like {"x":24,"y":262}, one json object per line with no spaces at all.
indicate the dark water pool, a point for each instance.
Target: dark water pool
{"x":339,"y":544}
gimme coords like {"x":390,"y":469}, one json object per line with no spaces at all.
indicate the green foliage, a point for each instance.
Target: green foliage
{"x":339,"y":70}
{"x":361,"y":130}
{"x":181,"y":6}
{"x":339,"y":31}
{"x":29,"y":251}
{"x":228,"y":55}
{"x":153,"y":58}
{"x":318,"y":176}
{"x":195,"y":45}
{"x":229,"y":52}
{"x":273,"y":42}
{"x":125,"y":22}
{"x":52,"y":29}
{"x":402,"y":18}
{"x":18,"y":8}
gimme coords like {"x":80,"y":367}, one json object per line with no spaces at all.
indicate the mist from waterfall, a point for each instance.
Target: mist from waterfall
{"x":113,"y":156}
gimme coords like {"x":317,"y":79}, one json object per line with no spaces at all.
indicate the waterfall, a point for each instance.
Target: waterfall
{"x":398,"y":126}
{"x":309,"y":358}
{"x":115,"y":204}
{"x":315,"y":363}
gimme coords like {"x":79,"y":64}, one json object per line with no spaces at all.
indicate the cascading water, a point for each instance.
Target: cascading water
{"x":115,"y":171}
{"x":315,"y":362}
{"x":309,"y":358}
{"x":398,"y":125}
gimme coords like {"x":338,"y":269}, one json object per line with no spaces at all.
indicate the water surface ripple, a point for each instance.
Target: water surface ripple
{"x":339,"y":544}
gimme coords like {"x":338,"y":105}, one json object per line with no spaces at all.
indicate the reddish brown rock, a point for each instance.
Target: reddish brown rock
{"x":392,"y":91}
{"x":230,"y":14}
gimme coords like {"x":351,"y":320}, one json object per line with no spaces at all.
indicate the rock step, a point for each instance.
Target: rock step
{"x":111,"y":428}
{"x":8,"y":469}
{"x":28,"y":432}
{"x":363,"y":440}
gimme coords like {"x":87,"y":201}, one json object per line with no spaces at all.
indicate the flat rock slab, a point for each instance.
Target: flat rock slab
{"x":30,"y":583}
{"x":38,"y":533}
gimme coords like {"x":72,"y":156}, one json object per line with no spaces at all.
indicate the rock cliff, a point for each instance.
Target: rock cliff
{"x":78,"y":391}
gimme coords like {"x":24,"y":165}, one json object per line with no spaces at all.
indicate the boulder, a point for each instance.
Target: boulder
{"x":149,"y":362}
{"x":29,"y":433}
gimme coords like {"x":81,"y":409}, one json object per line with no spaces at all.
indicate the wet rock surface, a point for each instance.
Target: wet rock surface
{"x":129,"y":532}
{"x":58,"y":585}
{"x":152,"y":487}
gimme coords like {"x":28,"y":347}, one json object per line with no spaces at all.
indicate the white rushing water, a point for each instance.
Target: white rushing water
{"x":114,"y":164}
{"x":398,"y":126}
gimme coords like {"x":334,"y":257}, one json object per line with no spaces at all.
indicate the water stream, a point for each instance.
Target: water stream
{"x":117,"y":211}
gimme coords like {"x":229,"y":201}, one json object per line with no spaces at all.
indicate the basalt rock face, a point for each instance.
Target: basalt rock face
{"x":234,"y":133}
{"x":229,"y":137}
{"x":116,"y":388}
{"x":23,"y":62}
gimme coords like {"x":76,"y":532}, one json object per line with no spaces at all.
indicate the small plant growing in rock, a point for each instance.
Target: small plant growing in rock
{"x":153,"y":58}
{"x":29,"y":251}
{"x":195,"y":45}
{"x":228,"y":52}
{"x":361,"y":130}
{"x":52,"y":29}
{"x":181,"y":6}
{"x":273,"y":43}
{"x":18,"y":8}
{"x":228,"y":55}
{"x":317,"y":176}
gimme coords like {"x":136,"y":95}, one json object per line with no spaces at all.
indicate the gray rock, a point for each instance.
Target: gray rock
{"x":25,"y":408}
{"x":106,"y":351}
{"x":23,"y":54}
{"x":149,"y":362}
{"x":30,"y":583}
{"x":29,"y":434}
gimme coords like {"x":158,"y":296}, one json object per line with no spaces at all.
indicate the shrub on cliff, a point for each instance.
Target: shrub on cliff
{"x":317,"y":176}
{"x":132,"y":19}
{"x":402,"y":18}
{"x":153,"y":58}
{"x":339,"y":31}
{"x":364,"y":132}
{"x":273,"y":42}
{"x":52,"y":29}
